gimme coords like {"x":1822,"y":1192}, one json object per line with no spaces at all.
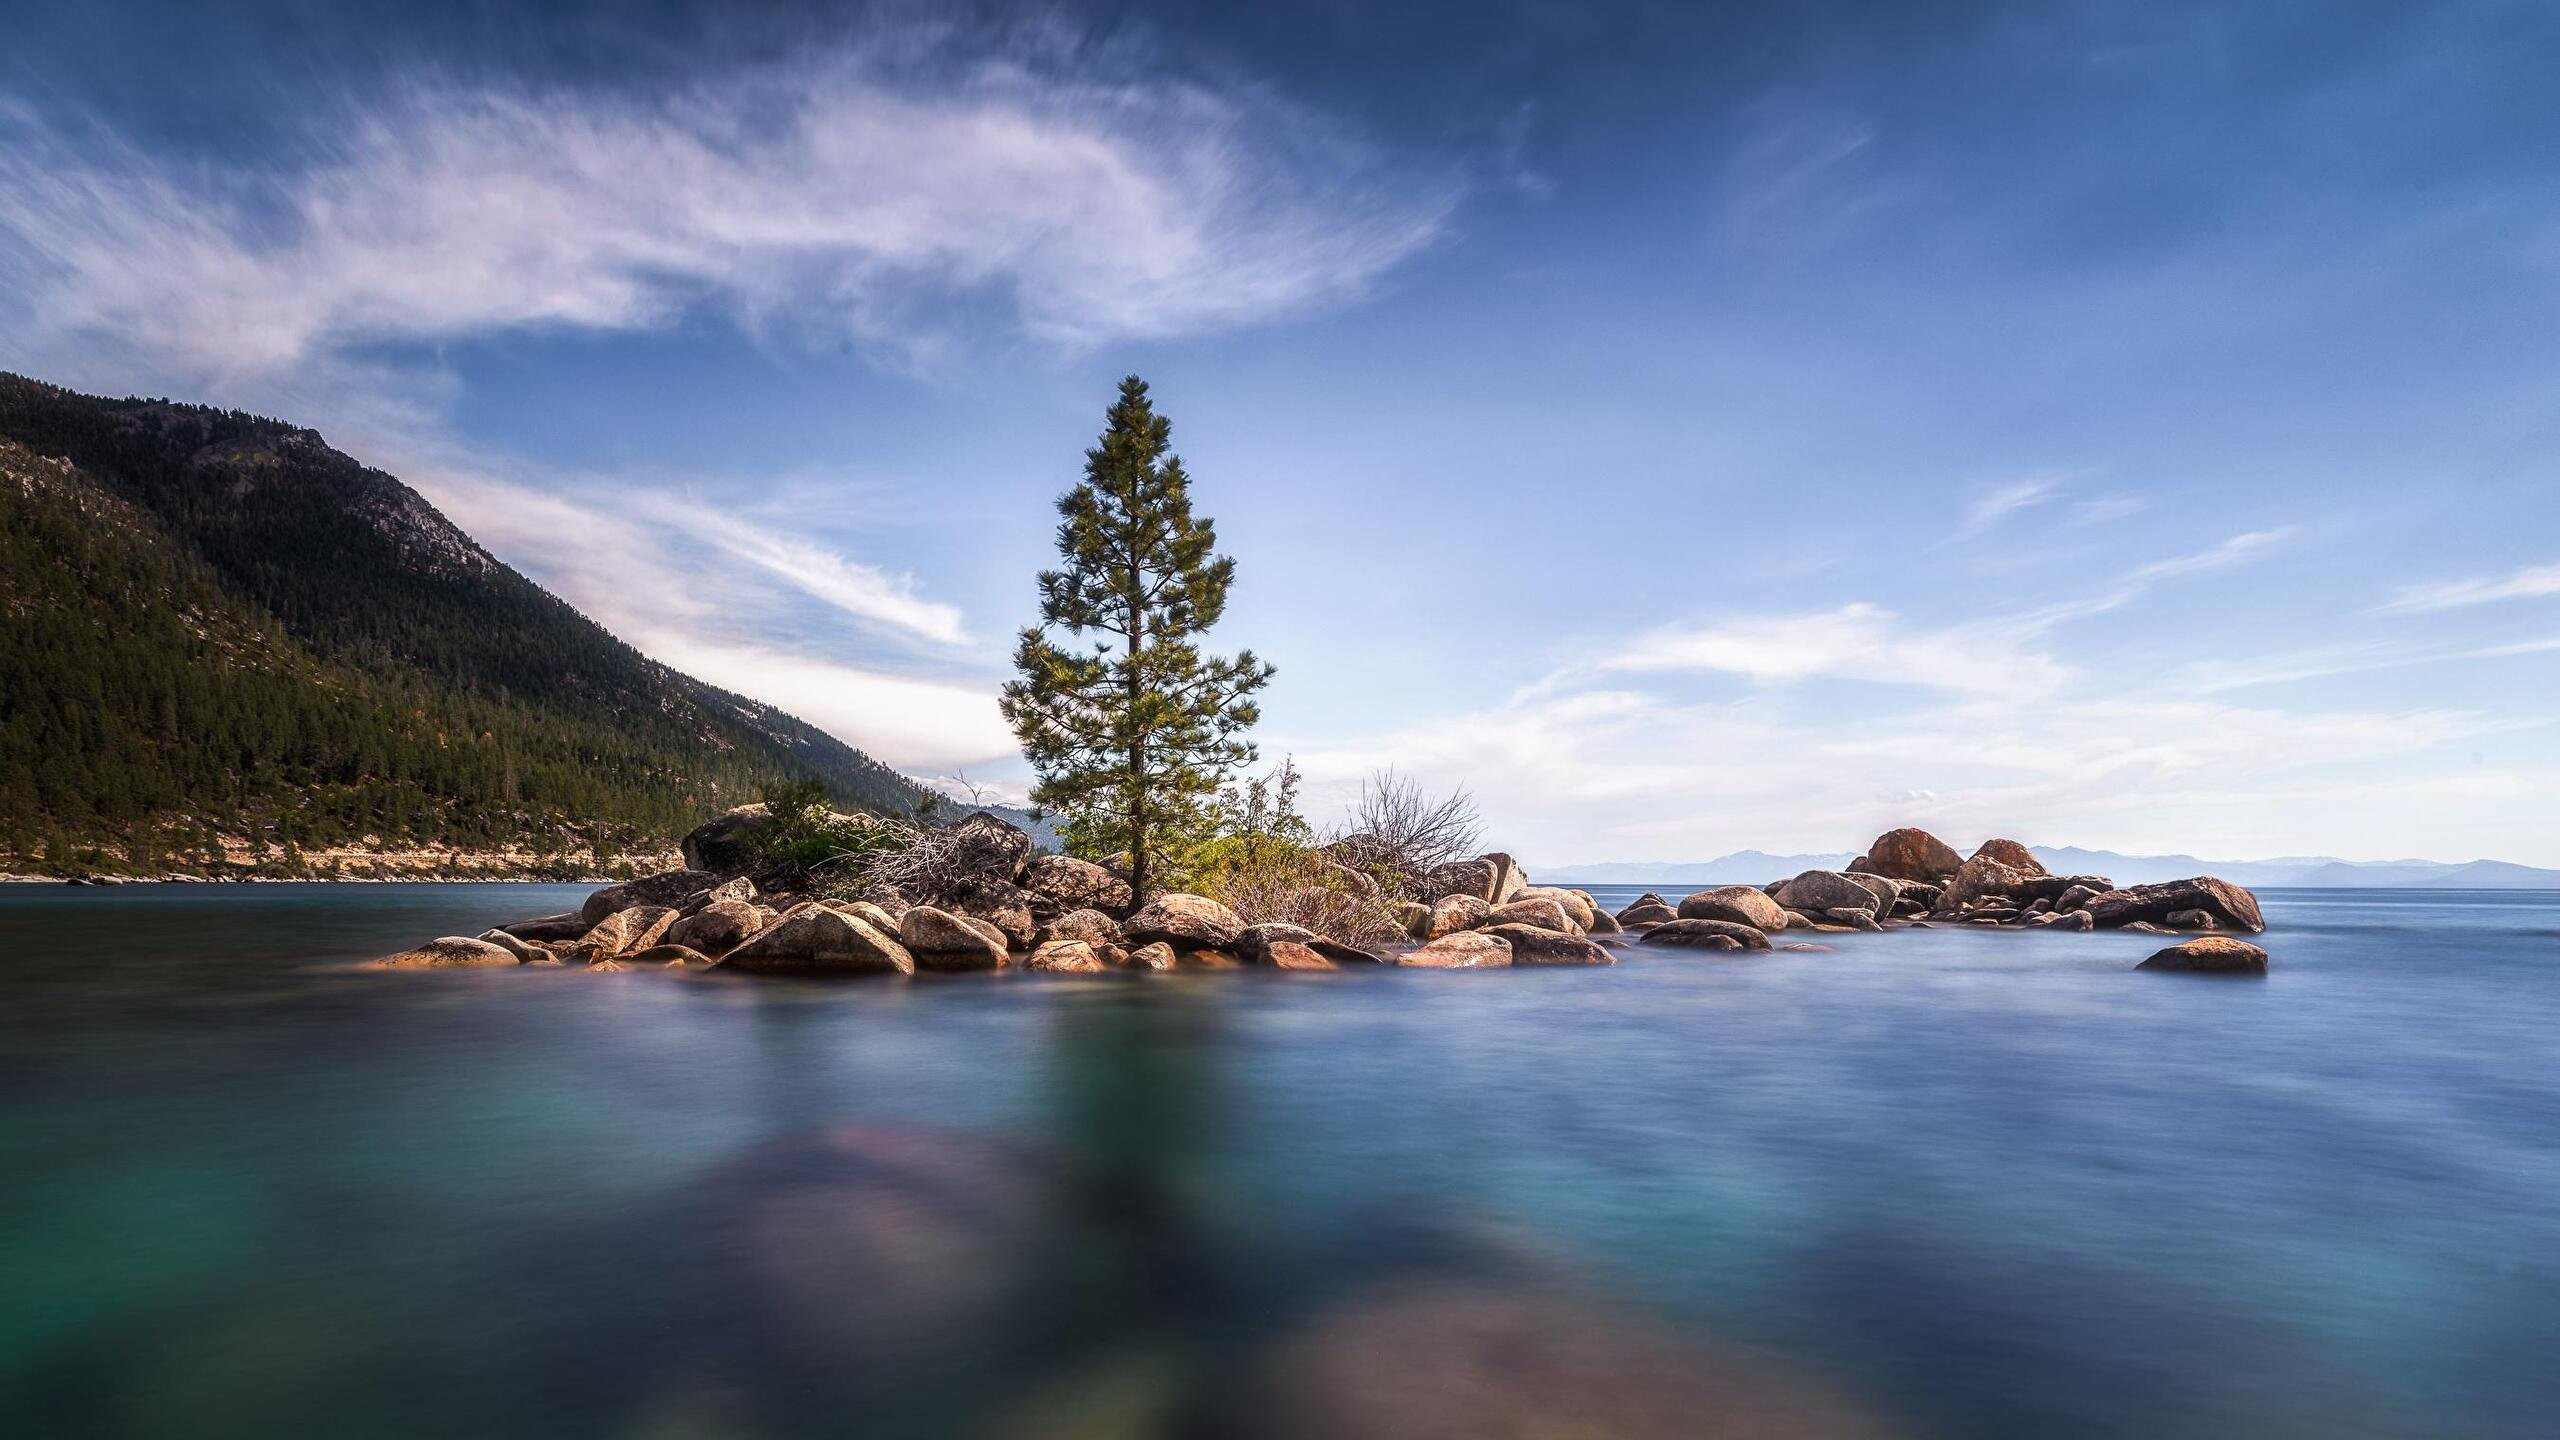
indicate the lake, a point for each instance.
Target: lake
{"x":1929,"y":1183}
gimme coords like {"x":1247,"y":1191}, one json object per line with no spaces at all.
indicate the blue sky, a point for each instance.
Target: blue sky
{"x":2126,"y":425}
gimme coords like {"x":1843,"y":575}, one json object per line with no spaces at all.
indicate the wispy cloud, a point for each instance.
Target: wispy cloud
{"x":1998,"y":504}
{"x":2533,"y":582}
{"x":880,"y":601}
{"x":853,"y":195}
{"x":1859,"y":641}
{"x":2219,"y":556}
{"x":935,"y":716}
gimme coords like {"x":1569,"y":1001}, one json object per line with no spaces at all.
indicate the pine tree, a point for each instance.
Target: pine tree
{"x":1131,"y":736}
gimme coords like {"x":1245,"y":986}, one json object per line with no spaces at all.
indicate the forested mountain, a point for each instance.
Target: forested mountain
{"x":220,"y":638}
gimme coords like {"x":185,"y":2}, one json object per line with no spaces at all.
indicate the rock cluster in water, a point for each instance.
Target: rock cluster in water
{"x":1012,"y":909}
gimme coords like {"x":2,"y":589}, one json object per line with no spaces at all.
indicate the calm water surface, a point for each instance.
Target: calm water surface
{"x":1932,"y":1183}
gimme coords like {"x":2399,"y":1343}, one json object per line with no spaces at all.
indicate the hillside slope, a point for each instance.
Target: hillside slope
{"x":224,"y":639}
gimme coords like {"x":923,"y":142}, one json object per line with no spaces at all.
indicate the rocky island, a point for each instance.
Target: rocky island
{"x":990,"y":901}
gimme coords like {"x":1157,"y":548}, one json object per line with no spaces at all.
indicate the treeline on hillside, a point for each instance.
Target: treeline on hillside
{"x":220,"y":627}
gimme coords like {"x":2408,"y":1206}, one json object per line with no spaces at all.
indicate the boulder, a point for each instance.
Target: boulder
{"x":2210,"y":954}
{"x":741,"y":889}
{"x":448,"y":952}
{"x":670,"y":888}
{"x":1541,"y":912}
{"x":1471,"y":878}
{"x":814,"y":940}
{"x":1887,"y":893}
{"x":1735,"y":905}
{"x":1577,"y":906}
{"x":2071,"y":920}
{"x":1454,"y":913}
{"x":1815,"y":891}
{"x":1536,"y":945}
{"x":1258,"y":938}
{"x":942,"y":941}
{"x":637,"y":928}
{"x":1983,"y":878}
{"x":2012,"y":854}
{"x":2075,"y":896}
{"x":1067,"y":957}
{"x":1508,"y":878}
{"x":2231,"y":906}
{"x":1708,"y":934}
{"x":1603,"y":923}
{"x":1647,"y":912}
{"x":1000,"y":903}
{"x":1073,"y":884}
{"x":1155,"y":955}
{"x":1091,"y":926}
{"x":1852,"y":917}
{"x":668,"y":957}
{"x":1187,"y":920}
{"x":717,"y":928}
{"x":1414,"y":918}
{"x":1294,"y":955}
{"x":879,"y":917}
{"x":1911,"y":854}
{"x":727,"y":843}
{"x":525,"y":951}
{"x":1209,"y":957}
{"x":2190,"y":920}
{"x":549,"y":927}
{"x":1467,"y":950}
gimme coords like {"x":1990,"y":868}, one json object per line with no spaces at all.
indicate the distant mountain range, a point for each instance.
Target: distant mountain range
{"x":228,"y":644}
{"x":1756,"y":867}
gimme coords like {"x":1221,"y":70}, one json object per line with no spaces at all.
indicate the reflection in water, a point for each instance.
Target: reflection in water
{"x":1932,"y":1184}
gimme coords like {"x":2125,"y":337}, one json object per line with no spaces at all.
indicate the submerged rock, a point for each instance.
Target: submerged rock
{"x":1484,"y":1359}
{"x":448,"y":952}
{"x":2210,"y":954}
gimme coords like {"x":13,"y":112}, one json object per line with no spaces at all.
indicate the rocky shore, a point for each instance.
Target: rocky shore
{"x":1011,"y":909}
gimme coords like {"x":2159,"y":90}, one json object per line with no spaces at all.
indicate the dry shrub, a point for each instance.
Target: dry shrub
{"x":1398,"y":832}
{"x":1294,"y":886}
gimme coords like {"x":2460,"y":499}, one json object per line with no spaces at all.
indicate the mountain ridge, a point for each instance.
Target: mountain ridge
{"x":1753,"y":867}
{"x":229,"y":643}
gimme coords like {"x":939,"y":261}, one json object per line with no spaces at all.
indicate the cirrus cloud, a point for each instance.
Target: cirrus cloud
{"x":857,"y":195}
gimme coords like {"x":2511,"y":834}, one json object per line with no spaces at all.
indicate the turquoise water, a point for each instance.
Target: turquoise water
{"x":1961,"y":1184}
